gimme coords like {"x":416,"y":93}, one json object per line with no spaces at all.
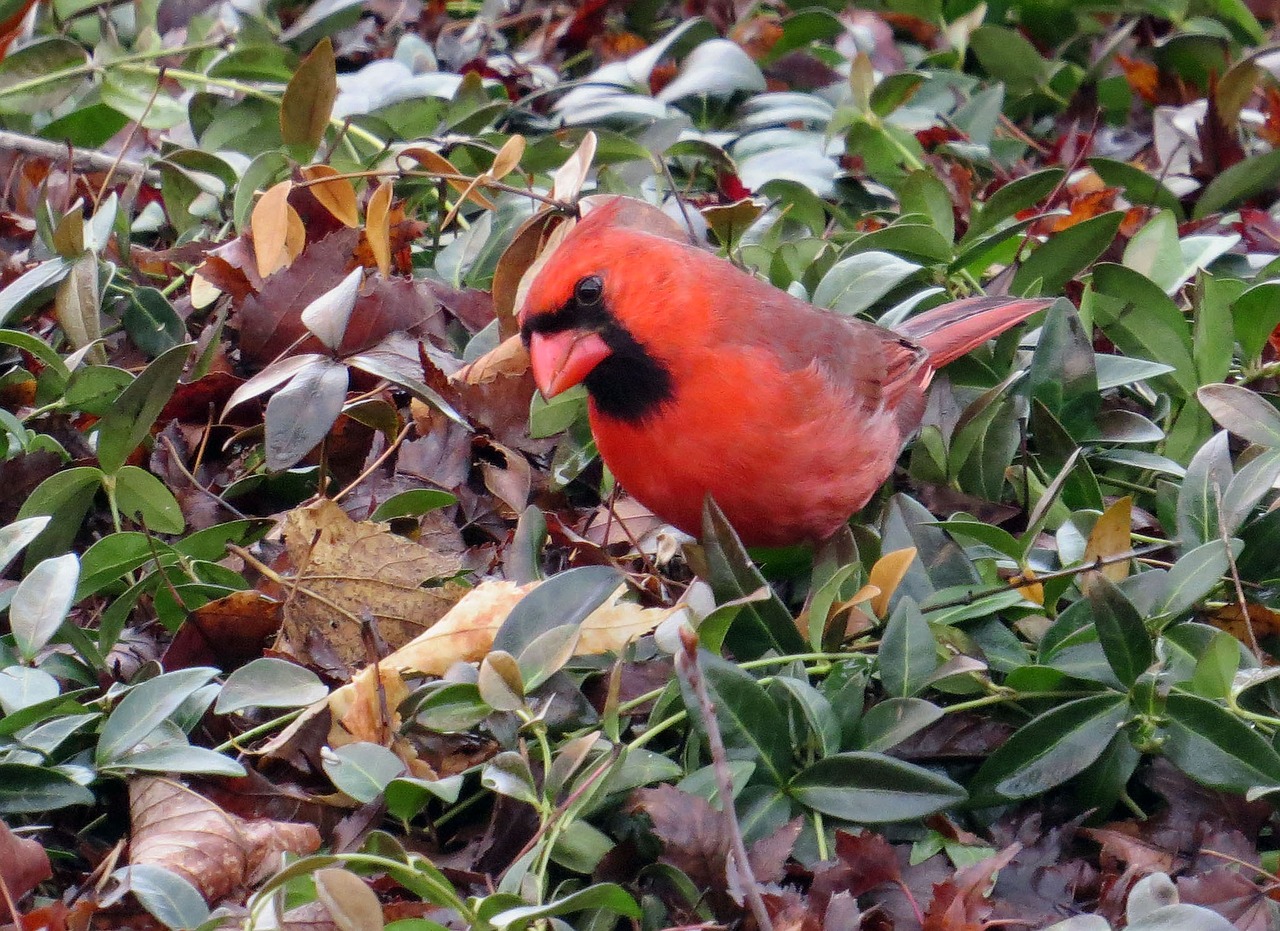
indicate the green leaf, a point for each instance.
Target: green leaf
{"x":606,"y":897}
{"x":1059,"y":259}
{"x":143,"y":497}
{"x":362,"y":770}
{"x":123,"y":428}
{"x":1139,"y":186}
{"x":1256,"y":314}
{"x":1193,"y":576}
{"x":564,"y":599}
{"x":508,"y":774}
{"x":152,"y":323}
{"x":1050,"y":749}
{"x":1216,"y":748}
{"x":170,"y":898}
{"x":268,"y":682}
{"x":750,"y":723}
{"x":43,"y":58}
{"x":179,"y":758}
{"x":26,"y":789}
{"x":65,"y":497}
{"x":1208,"y":477}
{"x":1243,"y":412}
{"x":908,"y":652}
{"x":41,"y":602}
{"x":1123,"y":636}
{"x":1009,"y":57}
{"x":760,"y":625}
{"x":413,"y":503}
{"x":872,"y":788}
{"x":1243,"y":180}
{"x":888,"y":723}
{"x":855,"y":283}
{"x":1018,"y":195}
{"x":145,"y":707}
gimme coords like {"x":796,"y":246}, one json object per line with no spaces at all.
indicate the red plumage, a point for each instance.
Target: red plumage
{"x":788,"y":415}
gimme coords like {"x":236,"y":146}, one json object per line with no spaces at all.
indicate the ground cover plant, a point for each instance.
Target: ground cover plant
{"x":317,"y":614}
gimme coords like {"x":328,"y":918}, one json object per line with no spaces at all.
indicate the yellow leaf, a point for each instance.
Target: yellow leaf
{"x":337,"y":196}
{"x":308,"y":100}
{"x":269,"y":223}
{"x":887,"y":574}
{"x":1033,"y":590}
{"x":1110,"y":538}
{"x":569,"y":177}
{"x":378,"y":226}
{"x":295,"y":235}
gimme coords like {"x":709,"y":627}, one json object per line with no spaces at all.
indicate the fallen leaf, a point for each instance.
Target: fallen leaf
{"x":23,"y":866}
{"x":344,"y":574}
{"x":217,"y":852}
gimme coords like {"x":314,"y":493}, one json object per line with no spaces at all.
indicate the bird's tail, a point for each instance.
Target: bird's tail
{"x":949,"y":331}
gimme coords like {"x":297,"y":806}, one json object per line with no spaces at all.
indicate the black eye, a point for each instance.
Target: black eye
{"x":589,"y":291}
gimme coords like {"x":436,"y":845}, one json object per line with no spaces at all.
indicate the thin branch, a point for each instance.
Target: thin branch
{"x":688,"y":667}
{"x":85,"y":160}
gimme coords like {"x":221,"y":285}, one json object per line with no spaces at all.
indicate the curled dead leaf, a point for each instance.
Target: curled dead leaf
{"x":887,"y":574}
{"x":214,"y":850}
{"x":377,"y":229}
{"x":338,"y":195}
{"x":510,"y":357}
{"x":269,"y":224}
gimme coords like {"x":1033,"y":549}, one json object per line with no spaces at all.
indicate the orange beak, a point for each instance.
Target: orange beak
{"x":562,"y":360}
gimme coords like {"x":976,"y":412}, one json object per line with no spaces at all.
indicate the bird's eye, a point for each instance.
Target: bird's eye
{"x":589,"y":291}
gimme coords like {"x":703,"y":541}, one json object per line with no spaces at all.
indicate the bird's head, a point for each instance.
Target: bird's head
{"x":590,"y":316}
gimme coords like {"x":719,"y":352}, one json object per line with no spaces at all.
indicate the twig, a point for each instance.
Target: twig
{"x":1019,"y":580}
{"x":1241,"y":601}
{"x":81,"y":159}
{"x":688,"y":667}
{"x":373,"y":467}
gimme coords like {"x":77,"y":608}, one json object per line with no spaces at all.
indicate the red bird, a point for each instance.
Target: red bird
{"x":705,"y":380}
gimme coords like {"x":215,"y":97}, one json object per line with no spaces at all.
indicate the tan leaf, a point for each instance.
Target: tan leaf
{"x":213,"y":849}
{"x":567,"y":180}
{"x":68,"y":235}
{"x":516,"y":261}
{"x":348,"y":576}
{"x":377,"y":228}
{"x":77,"y":304}
{"x":338,"y":195}
{"x":270,"y":225}
{"x":295,"y":236}
{"x":509,"y":357}
{"x":436,"y":163}
{"x":1109,"y":538}
{"x":352,"y":905}
{"x":466,"y":635}
{"x":308,"y":99}
{"x":508,"y":158}
{"x":203,"y":292}
{"x":887,"y":574}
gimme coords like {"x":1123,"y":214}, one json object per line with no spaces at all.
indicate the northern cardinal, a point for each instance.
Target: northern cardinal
{"x":705,"y":380}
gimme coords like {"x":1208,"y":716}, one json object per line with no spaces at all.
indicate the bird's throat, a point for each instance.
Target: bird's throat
{"x":630,"y":385}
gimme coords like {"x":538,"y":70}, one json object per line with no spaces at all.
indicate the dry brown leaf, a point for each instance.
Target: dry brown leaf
{"x":338,"y":196}
{"x":434,"y":162}
{"x":23,"y":866}
{"x":1109,"y":538}
{"x":887,"y":574}
{"x":466,"y":635}
{"x":346,"y":573}
{"x":269,"y":223}
{"x":295,"y":237}
{"x":509,"y":357}
{"x":377,"y":229}
{"x":513,"y":272}
{"x":508,"y":157}
{"x":213,"y":849}
{"x":351,"y":903}
{"x":568,"y":179}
